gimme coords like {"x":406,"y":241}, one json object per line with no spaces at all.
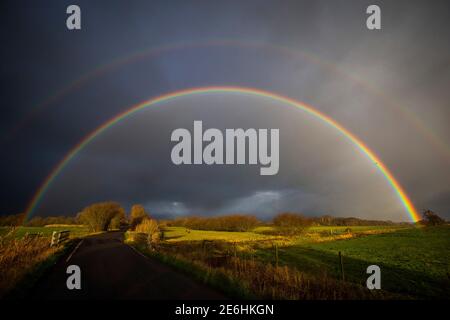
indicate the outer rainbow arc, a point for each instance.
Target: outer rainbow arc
{"x":407,"y":203}
{"x":154,"y":51}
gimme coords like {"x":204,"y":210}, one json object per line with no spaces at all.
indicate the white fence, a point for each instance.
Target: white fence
{"x":59,"y":237}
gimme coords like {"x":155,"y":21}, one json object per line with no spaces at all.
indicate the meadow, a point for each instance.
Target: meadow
{"x":415,"y":261}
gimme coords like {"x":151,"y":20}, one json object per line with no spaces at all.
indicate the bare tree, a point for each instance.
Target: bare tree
{"x":99,"y":215}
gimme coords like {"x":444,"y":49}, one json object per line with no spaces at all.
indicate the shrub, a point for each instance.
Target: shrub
{"x":150,"y":228}
{"x":118,"y":221}
{"x":137,"y":215}
{"x":432,"y":219}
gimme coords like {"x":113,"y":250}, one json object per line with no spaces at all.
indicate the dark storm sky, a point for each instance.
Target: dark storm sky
{"x":389,"y":87}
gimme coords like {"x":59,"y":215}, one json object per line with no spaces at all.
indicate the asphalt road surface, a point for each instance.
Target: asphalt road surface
{"x":111,"y":269}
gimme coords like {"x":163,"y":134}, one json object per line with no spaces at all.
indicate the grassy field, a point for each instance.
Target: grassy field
{"x":20,"y":232}
{"x":415,"y":262}
{"x":175,"y":234}
{"x":263,"y":234}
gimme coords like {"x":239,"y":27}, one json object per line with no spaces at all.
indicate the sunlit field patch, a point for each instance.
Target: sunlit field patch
{"x":175,"y":234}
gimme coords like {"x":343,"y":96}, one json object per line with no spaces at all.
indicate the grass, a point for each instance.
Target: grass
{"x":36,"y":268}
{"x":20,"y":232}
{"x":239,"y":277}
{"x":4,"y":231}
{"x":214,"y":278}
{"x":23,"y":259}
{"x":176,"y":234}
{"x":415,"y":262}
{"x":18,"y":257}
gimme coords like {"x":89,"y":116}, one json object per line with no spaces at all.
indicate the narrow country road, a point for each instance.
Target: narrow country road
{"x":111,"y":269}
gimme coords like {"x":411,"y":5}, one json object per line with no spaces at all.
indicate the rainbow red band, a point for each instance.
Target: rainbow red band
{"x":406,"y":202}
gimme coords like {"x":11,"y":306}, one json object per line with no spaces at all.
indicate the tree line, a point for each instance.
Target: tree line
{"x":111,"y":215}
{"x":98,"y":217}
{"x":222,"y":223}
{"x":286,"y":222}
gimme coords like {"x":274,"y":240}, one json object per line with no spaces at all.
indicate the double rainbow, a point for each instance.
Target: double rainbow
{"x":403,"y":197}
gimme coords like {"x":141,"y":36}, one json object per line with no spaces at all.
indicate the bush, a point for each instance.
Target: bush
{"x":432,"y":219}
{"x":118,"y":221}
{"x":98,"y":216}
{"x":137,"y":215}
{"x":290,"y":223}
{"x":150,"y":228}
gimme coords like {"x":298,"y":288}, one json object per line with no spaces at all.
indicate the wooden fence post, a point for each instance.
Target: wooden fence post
{"x":276,"y":254}
{"x":53,"y":239}
{"x":59,"y":237}
{"x":342,"y":266}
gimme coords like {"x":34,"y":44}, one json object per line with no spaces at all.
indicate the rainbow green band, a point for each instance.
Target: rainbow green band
{"x":406,"y":202}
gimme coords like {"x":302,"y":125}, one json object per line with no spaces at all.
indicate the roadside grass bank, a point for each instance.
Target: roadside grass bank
{"x":31,"y":275}
{"x":221,"y":263}
{"x":214,"y":278}
{"x":25,"y":255}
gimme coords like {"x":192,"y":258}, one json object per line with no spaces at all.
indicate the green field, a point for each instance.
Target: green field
{"x":313,"y":234}
{"x":174,"y":234}
{"x":414,"y":262}
{"x":341,"y":229}
{"x":75,"y":231}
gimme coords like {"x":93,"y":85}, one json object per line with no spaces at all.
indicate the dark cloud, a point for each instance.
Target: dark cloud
{"x":389,"y":87}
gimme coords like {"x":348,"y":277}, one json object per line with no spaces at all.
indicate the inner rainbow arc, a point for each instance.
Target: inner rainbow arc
{"x":405,"y":200}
